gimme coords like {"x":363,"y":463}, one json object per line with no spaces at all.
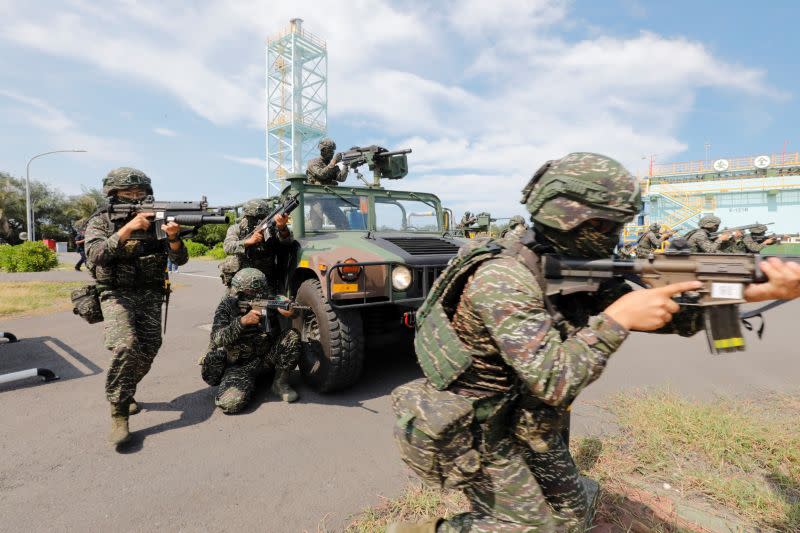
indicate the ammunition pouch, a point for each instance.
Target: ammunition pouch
{"x":86,"y":304}
{"x":435,"y":431}
{"x":213,"y":367}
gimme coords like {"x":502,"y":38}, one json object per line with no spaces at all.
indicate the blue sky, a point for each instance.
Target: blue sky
{"x":483,"y":92}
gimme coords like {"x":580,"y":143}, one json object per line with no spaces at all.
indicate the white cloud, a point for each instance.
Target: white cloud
{"x":482,"y":91}
{"x":59,"y":129}
{"x":251,"y":161}
{"x":166,"y":132}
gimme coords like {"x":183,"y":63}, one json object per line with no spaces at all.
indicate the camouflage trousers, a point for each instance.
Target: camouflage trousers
{"x":519,"y":489}
{"x":238,"y":383}
{"x":133,"y":334}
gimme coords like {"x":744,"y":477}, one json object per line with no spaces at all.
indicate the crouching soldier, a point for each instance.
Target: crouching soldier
{"x":241,"y":350}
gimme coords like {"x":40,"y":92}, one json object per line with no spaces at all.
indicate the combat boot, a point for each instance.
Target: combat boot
{"x":133,"y":408}
{"x":281,"y":387}
{"x":119,"y":424}
{"x":423,"y":527}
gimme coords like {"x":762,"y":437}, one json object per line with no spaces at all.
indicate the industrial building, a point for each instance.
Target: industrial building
{"x":739,"y":190}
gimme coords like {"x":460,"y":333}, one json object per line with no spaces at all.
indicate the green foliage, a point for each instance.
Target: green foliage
{"x":216,"y":252}
{"x":195,"y":249}
{"x":55,"y":214}
{"x":213,"y":234}
{"x":27,"y":257}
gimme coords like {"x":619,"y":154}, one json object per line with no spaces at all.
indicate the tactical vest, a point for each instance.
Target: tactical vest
{"x":142,"y":264}
{"x":442,"y":355}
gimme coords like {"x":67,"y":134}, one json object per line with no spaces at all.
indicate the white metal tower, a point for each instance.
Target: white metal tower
{"x":297,"y":101}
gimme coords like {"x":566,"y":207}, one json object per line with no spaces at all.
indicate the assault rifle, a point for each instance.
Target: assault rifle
{"x":383,"y":163}
{"x":267,"y":224}
{"x":193,"y":214}
{"x":747,"y":227}
{"x":723,"y":275}
{"x":263,"y":306}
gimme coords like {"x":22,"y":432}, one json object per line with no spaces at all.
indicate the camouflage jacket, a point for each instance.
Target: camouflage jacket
{"x":502,"y":318}
{"x":751,"y":246}
{"x":240,"y":343}
{"x":320,"y":173}
{"x":699,"y":241}
{"x":237,"y":233}
{"x":650,"y":241}
{"x":132,"y":263}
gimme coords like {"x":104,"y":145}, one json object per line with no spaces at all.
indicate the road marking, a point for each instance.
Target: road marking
{"x":197,"y":275}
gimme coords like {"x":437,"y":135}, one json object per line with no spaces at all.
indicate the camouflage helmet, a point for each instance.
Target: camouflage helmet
{"x":249,"y":280}
{"x":256,"y":207}
{"x":581,"y":186}
{"x":327,"y":142}
{"x":655,"y":227}
{"x":125,"y":178}
{"x":760,"y":229}
{"x":515,"y":221}
{"x":710,"y":222}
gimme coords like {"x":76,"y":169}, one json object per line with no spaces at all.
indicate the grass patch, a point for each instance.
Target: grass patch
{"x":735,"y":459}
{"x":35,"y":297}
{"x":743,"y":455}
{"x":417,"y":504}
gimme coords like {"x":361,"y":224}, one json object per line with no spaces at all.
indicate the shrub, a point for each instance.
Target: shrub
{"x":27,"y":257}
{"x":216,"y":252}
{"x":195,"y":249}
{"x":211,"y":234}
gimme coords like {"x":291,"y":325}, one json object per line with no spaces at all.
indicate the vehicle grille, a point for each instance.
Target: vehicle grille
{"x":424,"y":245}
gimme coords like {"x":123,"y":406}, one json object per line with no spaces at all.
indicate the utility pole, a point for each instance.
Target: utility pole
{"x":28,"y":205}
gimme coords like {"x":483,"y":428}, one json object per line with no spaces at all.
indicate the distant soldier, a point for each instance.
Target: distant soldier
{"x":516,"y":228}
{"x":467,"y":220}
{"x":270,"y":256}
{"x":756,"y":240}
{"x":130,"y":279}
{"x":651,"y":241}
{"x":79,"y":229}
{"x":734,"y":245}
{"x":699,"y":239}
{"x":240,"y":350}
{"x":325,"y":169}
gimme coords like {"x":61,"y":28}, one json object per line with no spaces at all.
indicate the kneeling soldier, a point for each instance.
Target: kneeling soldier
{"x":240,"y":350}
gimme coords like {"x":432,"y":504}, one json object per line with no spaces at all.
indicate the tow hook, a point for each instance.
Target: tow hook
{"x":410,"y":319}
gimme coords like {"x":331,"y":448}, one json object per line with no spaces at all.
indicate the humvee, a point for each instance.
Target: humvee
{"x":367,"y":258}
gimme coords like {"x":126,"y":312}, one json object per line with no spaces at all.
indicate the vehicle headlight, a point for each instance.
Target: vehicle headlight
{"x":401,"y":278}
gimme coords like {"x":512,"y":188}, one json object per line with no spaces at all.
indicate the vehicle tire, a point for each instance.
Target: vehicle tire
{"x":333,"y":341}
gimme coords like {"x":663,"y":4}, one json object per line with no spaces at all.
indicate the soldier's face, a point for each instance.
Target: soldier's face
{"x":327,"y":153}
{"x":133,"y":194}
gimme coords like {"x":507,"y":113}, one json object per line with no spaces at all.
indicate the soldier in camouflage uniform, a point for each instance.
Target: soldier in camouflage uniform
{"x":503,"y":361}
{"x":520,"y":358}
{"x":240,"y":350}
{"x":756,"y":241}
{"x":467,"y":220}
{"x":651,"y":241}
{"x":700,"y":241}
{"x":130,"y":278}
{"x":326,"y":169}
{"x":245,"y":250}
{"x":516,"y":228}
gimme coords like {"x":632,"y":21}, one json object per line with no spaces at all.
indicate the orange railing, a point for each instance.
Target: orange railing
{"x":734,"y":164}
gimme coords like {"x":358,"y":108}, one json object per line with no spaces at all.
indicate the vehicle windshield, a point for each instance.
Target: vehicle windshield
{"x":332,"y":212}
{"x":405,"y":215}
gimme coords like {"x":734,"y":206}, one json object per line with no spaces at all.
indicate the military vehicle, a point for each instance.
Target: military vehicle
{"x":367,"y":257}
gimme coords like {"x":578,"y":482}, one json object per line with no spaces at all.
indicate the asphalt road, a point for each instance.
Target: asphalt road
{"x":277,"y":467}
